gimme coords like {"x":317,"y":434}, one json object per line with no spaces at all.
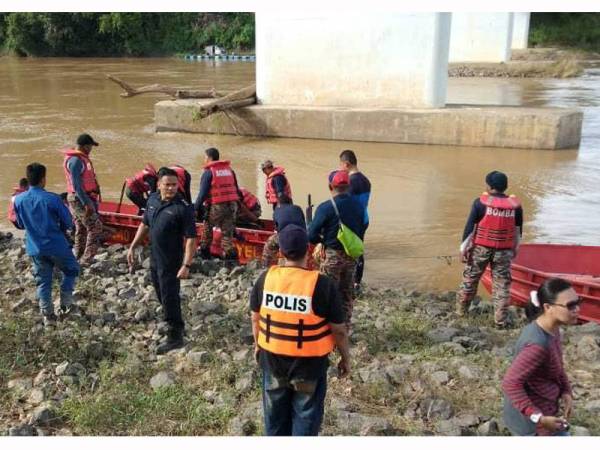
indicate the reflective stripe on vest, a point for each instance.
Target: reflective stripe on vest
{"x":12,"y":214}
{"x":288,"y":324}
{"x":180,"y":171}
{"x":271,"y":194}
{"x":249,"y":199}
{"x":497,"y":228}
{"x":88,"y":176}
{"x":222,"y":187}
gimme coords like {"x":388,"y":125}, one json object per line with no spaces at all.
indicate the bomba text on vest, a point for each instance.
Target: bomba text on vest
{"x":500,"y":212}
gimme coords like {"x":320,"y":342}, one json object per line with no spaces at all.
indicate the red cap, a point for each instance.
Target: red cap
{"x":339,"y":178}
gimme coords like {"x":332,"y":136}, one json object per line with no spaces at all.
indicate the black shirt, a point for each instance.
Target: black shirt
{"x":170,"y":222}
{"x":478,"y":212}
{"x":325,"y":224}
{"x":286,"y":214}
{"x":327,"y":303}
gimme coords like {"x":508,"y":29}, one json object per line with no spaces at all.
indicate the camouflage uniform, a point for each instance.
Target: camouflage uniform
{"x":221,"y":215}
{"x":340,"y":267}
{"x":270,"y":254}
{"x":88,"y":231}
{"x":500,"y":261}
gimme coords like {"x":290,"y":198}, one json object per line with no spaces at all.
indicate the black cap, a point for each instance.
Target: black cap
{"x":86,"y":139}
{"x":293,"y":241}
{"x":497,"y":180}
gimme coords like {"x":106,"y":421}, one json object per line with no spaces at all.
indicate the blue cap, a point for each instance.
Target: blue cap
{"x":293,"y":241}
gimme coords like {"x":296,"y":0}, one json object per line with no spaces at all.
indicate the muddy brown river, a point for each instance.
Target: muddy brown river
{"x":421,"y":194}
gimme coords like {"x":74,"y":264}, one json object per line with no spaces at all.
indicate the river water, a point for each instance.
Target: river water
{"x":421,"y":194}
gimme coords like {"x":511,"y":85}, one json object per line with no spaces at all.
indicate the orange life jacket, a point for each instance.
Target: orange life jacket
{"x":180,"y":179}
{"x":88,"y":176}
{"x":288,"y":324}
{"x":138,"y":184}
{"x":497,"y":229}
{"x":270,"y":189}
{"x":223,"y":187}
{"x":249,"y":199}
{"x":12,"y":214}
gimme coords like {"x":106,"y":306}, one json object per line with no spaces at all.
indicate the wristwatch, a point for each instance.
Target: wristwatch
{"x":535,"y":418}
{"x":188,"y":266}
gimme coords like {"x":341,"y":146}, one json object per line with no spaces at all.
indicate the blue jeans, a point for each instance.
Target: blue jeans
{"x":43,"y":268}
{"x":293,"y":409}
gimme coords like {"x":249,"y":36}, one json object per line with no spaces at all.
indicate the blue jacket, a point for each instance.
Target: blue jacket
{"x":325,"y":224}
{"x":45,"y":218}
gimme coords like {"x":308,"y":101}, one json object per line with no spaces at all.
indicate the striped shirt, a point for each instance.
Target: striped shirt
{"x":536,"y":379}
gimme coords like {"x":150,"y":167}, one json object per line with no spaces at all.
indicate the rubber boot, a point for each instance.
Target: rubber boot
{"x":174,"y":341}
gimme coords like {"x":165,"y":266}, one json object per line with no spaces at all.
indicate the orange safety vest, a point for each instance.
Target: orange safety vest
{"x":249,"y":199}
{"x":88,"y":176}
{"x":497,"y":229}
{"x":222,"y":187}
{"x":12,"y":214}
{"x":288,"y":324}
{"x":270,"y":189}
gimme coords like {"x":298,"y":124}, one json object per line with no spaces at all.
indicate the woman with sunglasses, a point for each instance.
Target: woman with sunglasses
{"x":536,"y":383}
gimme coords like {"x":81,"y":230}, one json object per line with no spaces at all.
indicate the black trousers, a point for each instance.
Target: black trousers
{"x":360,"y":265}
{"x":137,"y":199}
{"x":166,"y":285}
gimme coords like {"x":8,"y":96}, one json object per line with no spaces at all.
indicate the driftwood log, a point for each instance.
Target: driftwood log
{"x":236,"y":99}
{"x":174,"y":92}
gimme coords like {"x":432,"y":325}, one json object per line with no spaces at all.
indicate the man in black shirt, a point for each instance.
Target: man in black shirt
{"x":169,"y":220}
{"x":297,"y":320}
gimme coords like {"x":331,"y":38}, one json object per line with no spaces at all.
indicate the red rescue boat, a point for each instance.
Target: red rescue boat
{"x":122,"y":222}
{"x":578,"y":264}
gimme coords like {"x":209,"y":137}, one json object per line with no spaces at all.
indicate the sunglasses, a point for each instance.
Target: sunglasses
{"x":571,"y":306}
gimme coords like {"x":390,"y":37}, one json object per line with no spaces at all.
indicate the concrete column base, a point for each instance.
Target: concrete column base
{"x":515,"y":127}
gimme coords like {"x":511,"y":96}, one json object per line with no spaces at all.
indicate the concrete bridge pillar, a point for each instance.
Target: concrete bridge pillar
{"x":481,"y":37}
{"x":371,"y":60}
{"x":520,"y":30}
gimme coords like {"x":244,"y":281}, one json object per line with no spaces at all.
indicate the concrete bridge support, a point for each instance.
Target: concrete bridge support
{"x":520,"y":30}
{"x":374,"y":60}
{"x":481,"y":37}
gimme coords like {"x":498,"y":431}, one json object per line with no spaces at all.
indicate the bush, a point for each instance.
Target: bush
{"x":579,"y":30}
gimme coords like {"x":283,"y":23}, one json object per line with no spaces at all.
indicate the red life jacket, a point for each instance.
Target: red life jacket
{"x":222,"y":188}
{"x":180,"y":178}
{"x":270,"y":190}
{"x":88,"y":176}
{"x":138,"y":183}
{"x":12,"y":214}
{"x":249,"y":199}
{"x":497,"y":229}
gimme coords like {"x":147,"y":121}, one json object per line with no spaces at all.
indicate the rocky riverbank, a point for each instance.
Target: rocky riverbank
{"x":417,"y":369}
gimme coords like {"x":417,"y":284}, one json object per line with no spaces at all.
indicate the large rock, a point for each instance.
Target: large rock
{"x":42,"y":415}
{"x":442,"y":334}
{"x":436,"y":408}
{"x":469,"y":372}
{"x":197,"y":359}
{"x":162,"y":379}
{"x":23,"y":429}
{"x":396,"y":373}
{"x":593,"y":406}
{"x":448,"y":428}
{"x":354,"y":423}
{"x":36,"y":396}
{"x":588,"y":348}
{"x":69,"y":369}
{"x":440,"y":377}
{"x":206,"y":308}
{"x":489,"y":428}
{"x":580,"y":431}
{"x":20,"y":384}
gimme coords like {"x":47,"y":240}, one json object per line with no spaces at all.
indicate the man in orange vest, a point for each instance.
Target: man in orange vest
{"x":141,"y":185}
{"x":83,"y":195}
{"x":491,"y":236}
{"x":297,"y":321}
{"x":217,"y":203}
{"x":22,"y":187}
{"x":276,"y":183}
{"x":184,"y":181}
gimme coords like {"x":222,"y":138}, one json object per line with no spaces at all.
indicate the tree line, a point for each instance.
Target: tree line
{"x":123,"y":34}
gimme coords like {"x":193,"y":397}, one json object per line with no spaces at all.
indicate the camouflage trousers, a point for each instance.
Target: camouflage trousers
{"x":500,"y":261}
{"x":221,"y":215}
{"x":340,"y":267}
{"x":88,"y":231}
{"x":270,"y":255}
